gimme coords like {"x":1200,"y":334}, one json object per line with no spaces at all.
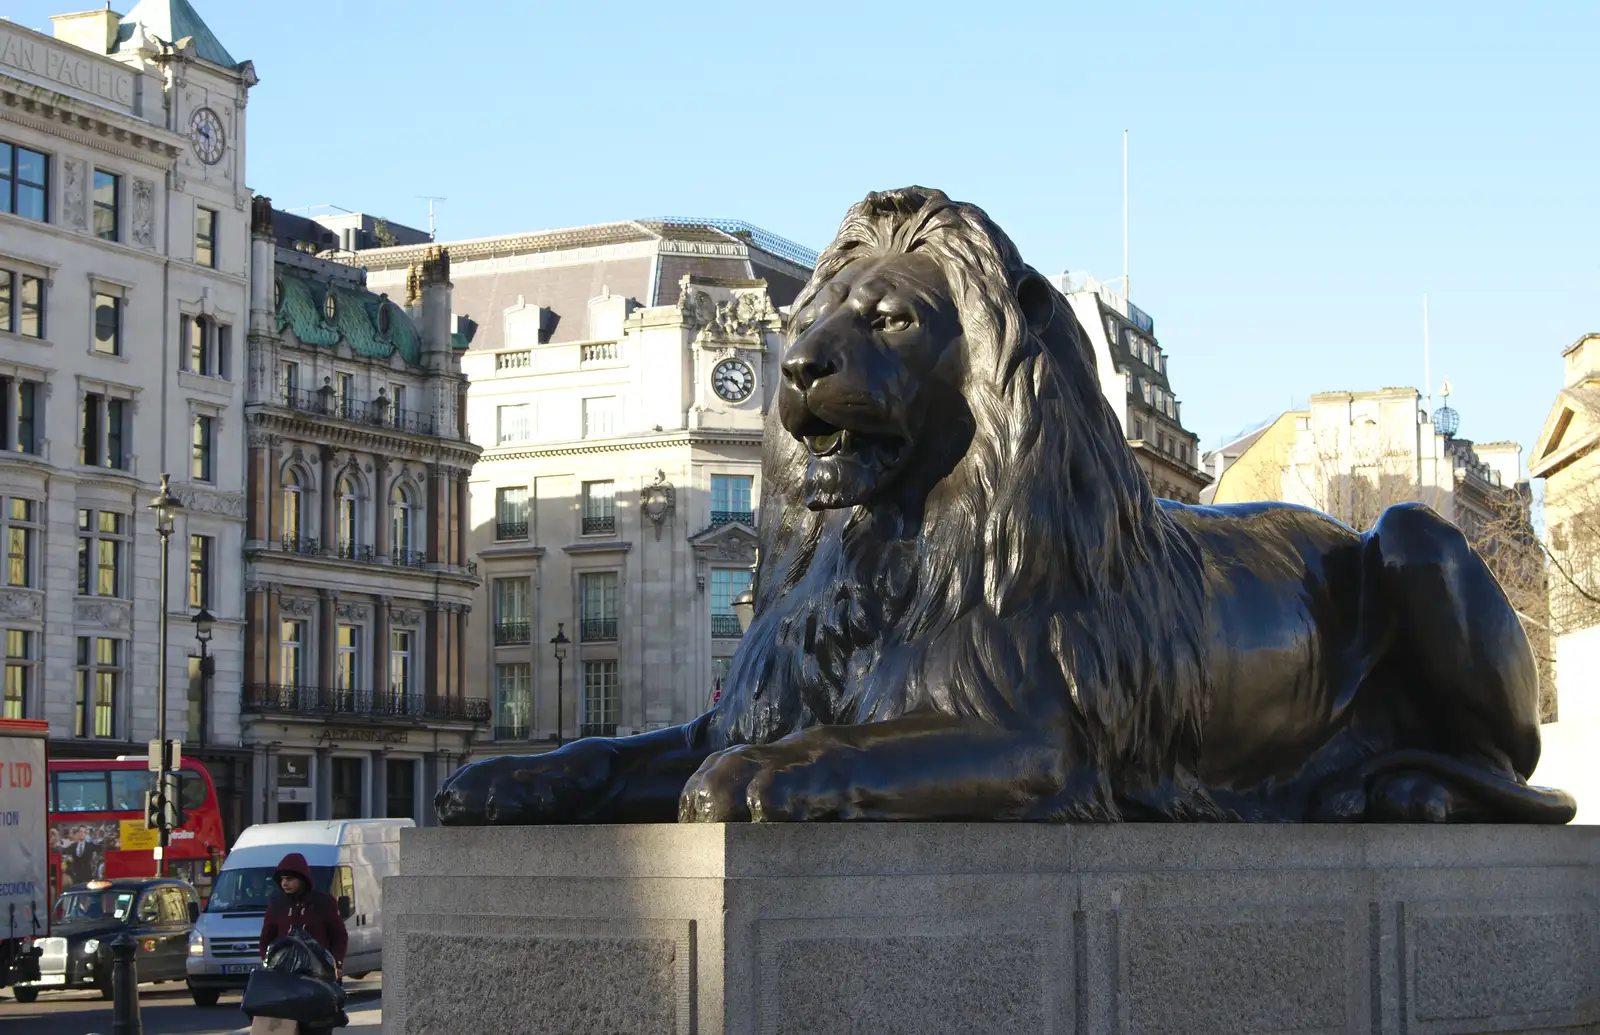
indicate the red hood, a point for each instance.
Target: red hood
{"x":296,"y":864}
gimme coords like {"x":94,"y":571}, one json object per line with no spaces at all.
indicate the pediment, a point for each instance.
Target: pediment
{"x":1573,"y":423}
{"x":734,"y":541}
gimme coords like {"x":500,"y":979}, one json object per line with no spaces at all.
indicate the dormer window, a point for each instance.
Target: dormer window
{"x":277,"y":293}
{"x":330,"y":307}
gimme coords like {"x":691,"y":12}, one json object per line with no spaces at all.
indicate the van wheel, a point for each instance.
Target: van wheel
{"x":205,"y":996}
{"x":25,"y":995}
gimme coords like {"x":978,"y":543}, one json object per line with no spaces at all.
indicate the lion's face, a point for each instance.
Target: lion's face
{"x":875,"y":357}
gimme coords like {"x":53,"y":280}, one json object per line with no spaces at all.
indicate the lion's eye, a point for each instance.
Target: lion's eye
{"x":891,"y":321}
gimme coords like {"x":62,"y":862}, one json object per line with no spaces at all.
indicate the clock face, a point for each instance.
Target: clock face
{"x":733,"y":380}
{"x":206,"y":135}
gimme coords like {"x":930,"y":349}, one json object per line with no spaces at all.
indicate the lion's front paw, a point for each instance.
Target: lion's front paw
{"x":558,"y":787}
{"x":716,"y":792}
{"x":757,"y":784}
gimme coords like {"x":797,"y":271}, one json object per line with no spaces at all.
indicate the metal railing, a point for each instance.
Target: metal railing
{"x":408,"y":558}
{"x":597,"y":630}
{"x":599,"y":525}
{"x":511,"y":633}
{"x":726,"y":627}
{"x":724,"y":517}
{"x":302,"y":545}
{"x":259,"y":698}
{"x":597,"y":729}
{"x":357,"y":411}
{"x":510,"y":530}
{"x":353,"y":552}
{"x":517,"y":731}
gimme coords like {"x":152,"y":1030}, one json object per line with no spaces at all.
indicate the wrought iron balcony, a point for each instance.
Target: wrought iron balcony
{"x":724,"y":517}
{"x":372,"y":412}
{"x":726,"y":627}
{"x":515,"y":731}
{"x":408,"y":558}
{"x":507,"y":634}
{"x":263,"y":698}
{"x":606,"y":525}
{"x":597,"y":729}
{"x":597,"y":630}
{"x":302,"y":545}
{"x":353,"y":552}
{"x":511,"y":530}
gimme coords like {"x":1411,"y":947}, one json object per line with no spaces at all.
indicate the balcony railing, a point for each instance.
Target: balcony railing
{"x":261,"y":698}
{"x":408,"y":558}
{"x":302,"y":545}
{"x":724,"y":517}
{"x":353,"y":552}
{"x":516,"y":731}
{"x":510,"y":633}
{"x":597,"y":630}
{"x":358,"y":411}
{"x":510,"y":530}
{"x":597,"y":729}
{"x":599,"y":352}
{"x":726,"y":627}
{"x":598,"y":525}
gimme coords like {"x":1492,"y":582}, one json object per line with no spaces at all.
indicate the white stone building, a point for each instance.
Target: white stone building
{"x":123,"y":262}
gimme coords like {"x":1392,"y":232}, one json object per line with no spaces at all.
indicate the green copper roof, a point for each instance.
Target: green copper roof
{"x":172,"y":20}
{"x":355,"y":322}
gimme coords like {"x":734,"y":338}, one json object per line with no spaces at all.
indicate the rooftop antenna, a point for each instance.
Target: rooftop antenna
{"x":1126,"y":289}
{"x":430,"y":199}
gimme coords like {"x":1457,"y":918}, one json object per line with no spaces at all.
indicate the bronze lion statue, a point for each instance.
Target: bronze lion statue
{"x":970,"y":606}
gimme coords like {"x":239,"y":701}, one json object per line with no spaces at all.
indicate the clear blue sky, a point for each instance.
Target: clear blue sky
{"x":1299,"y":177}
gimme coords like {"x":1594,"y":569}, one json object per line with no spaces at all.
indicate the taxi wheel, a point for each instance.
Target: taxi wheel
{"x":205,"y":996}
{"x":25,"y":995}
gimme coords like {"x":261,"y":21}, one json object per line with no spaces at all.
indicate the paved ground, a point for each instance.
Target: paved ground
{"x":164,"y":1009}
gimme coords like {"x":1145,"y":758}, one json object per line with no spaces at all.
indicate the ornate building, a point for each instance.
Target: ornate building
{"x":123,"y":264}
{"x":358,"y":579}
{"x":1134,"y":379}
{"x":618,"y":388}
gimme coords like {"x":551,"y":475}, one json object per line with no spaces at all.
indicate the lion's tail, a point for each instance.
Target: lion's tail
{"x":1507,"y":799}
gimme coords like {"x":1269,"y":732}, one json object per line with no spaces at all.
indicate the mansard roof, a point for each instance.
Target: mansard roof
{"x":172,"y":20}
{"x":357,"y":319}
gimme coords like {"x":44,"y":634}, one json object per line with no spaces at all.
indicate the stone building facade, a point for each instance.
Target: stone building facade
{"x":123,"y":268}
{"x":358,"y":578}
{"x":619,"y":384}
{"x":1134,"y":379}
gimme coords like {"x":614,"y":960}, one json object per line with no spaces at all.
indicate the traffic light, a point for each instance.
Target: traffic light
{"x":152,"y":811}
{"x":176,"y":816}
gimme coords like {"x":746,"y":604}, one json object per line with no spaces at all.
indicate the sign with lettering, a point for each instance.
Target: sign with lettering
{"x":361,"y":735}
{"x":65,"y":66}
{"x":136,"y":836}
{"x":23,"y":891}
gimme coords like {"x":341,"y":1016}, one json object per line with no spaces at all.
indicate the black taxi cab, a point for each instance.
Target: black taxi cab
{"x":158,"y":912}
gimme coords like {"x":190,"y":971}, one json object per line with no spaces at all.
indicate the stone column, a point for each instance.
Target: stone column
{"x":273,"y":659}
{"x":327,"y":639}
{"x":458,"y":532}
{"x":430,"y":786}
{"x":378,"y":786}
{"x":382,"y":617}
{"x":437,"y":551}
{"x":323,"y":781}
{"x":460,"y":688}
{"x":431,"y":627}
{"x":330,"y":493}
{"x":380,"y":501}
{"x":273,"y":493}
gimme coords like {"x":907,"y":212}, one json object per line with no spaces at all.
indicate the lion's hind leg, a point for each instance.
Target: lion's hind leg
{"x":1412,"y":786}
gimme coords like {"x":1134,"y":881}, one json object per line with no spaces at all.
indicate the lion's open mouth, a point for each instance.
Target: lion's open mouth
{"x":825,"y":440}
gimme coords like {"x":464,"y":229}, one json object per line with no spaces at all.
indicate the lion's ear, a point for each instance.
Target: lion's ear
{"x":1038,"y":301}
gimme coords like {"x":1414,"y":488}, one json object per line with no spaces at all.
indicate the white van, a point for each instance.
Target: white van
{"x":348,"y":858}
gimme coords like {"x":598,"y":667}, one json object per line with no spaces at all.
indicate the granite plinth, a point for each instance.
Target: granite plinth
{"x":884,"y":929}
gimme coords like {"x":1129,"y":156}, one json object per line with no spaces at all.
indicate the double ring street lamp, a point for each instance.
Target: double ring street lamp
{"x":166,"y":507}
{"x":559,"y":641}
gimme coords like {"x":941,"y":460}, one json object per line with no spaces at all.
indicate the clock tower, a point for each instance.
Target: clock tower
{"x":733,"y":330}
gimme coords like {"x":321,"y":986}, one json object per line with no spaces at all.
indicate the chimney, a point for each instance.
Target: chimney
{"x":433,"y":285}
{"x":263,"y":267}
{"x":94,"y":31}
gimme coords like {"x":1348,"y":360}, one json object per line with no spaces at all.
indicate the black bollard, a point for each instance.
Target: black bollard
{"x":125,"y":986}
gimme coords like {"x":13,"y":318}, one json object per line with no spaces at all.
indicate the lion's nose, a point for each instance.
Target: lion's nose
{"x":805,"y":368}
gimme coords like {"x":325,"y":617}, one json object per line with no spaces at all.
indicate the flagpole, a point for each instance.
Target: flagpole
{"x":1126,"y":287}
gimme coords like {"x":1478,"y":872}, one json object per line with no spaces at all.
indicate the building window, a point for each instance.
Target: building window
{"x":291,"y":653}
{"x":730,"y":499}
{"x":726,"y":583}
{"x":291,"y":384}
{"x":349,"y":406}
{"x":599,"y":508}
{"x":349,"y":518}
{"x":104,"y":438}
{"x":106,"y":191}
{"x":198,"y":350}
{"x":514,"y":424}
{"x":100,"y":663}
{"x":511,"y":614}
{"x":102,"y":542}
{"x":205,"y":237}
{"x":600,"y":417}
{"x":597,"y":592}
{"x":599,"y":699}
{"x":400,"y":527}
{"x":204,"y":449}
{"x":330,"y":307}
{"x":347,"y":796}
{"x":292,"y":502}
{"x":21,"y":304}
{"x":23,"y":529}
{"x":24,"y":182}
{"x":107,"y":323}
{"x":20,"y":664}
{"x":347,"y":663}
{"x":399,"y":662}
{"x":511,"y":512}
{"x":19,"y":414}
{"x":202,"y":548}
{"x":400,"y":788}
{"x":513,"y":701}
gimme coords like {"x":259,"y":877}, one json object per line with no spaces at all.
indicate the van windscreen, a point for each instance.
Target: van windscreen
{"x":247,"y":888}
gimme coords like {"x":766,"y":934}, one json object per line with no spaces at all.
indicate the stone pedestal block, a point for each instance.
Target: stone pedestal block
{"x":890,"y":929}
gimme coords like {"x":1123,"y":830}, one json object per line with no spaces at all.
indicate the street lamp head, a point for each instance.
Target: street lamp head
{"x":166,"y":506}
{"x":744,"y":609}
{"x":559,"y":641}
{"x":203,"y":621}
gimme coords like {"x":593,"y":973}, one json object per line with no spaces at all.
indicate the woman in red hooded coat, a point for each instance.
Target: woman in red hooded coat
{"x":303,"y":906}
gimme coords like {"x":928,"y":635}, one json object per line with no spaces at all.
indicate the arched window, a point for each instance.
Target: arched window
{"x":400,"y":526}
{"x":293,"y":503}
{"x":349,"y":525}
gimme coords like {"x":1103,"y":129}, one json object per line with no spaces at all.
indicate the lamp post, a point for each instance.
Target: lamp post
{"x":166,"y":506}
{"x":744,"y":605}
{"x":203,"y":621}
{"x":559,"y":641}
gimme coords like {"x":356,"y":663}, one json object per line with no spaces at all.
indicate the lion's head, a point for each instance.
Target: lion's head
{"x":952,"y":517}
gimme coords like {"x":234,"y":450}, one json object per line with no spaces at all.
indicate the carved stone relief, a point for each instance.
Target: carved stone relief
{"x":228,"y":504}
{"x":353,"y":612}
{"x":16,"y":603}
{"x":144,"y":213}
{"x":104,"y":613}
{"x":75,"y":194}
{"x":657,"y":501}
{"x":297,"y":607}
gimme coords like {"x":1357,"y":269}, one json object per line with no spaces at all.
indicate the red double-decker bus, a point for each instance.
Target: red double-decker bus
{"x":97,"y":828}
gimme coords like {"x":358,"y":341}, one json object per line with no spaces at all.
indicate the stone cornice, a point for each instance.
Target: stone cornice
{"x":295,"y":424}
{"x":88,"y":125}
{"x":626,"y":445}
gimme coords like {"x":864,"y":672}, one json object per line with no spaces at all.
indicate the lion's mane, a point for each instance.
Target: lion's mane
{"x":1041,"y":585}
